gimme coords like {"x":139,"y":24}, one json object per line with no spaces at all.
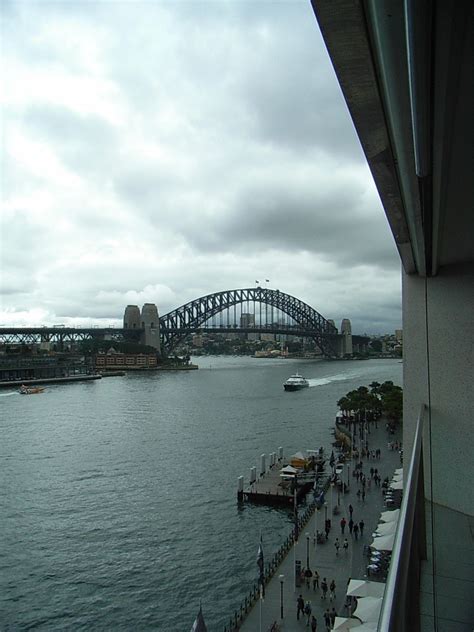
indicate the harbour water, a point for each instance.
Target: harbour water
{"x":118,"y":497}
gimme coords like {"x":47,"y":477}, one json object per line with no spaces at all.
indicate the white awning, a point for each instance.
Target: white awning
{"x":344,"y":623}
{"x":365,"y":588}
{"x":368,"y":609}
{"x":383,"y":543}
{"x":386,"y":528}
{"x":396,"y":485}
{"x":390,"y":515}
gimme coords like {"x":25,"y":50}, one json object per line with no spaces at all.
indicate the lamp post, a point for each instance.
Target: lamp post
{"x":282,"y":579}
{"x":307,"y":550}
{"x":316,"y":526}
{"x":348,"y":473}
{"x":332,"y":487}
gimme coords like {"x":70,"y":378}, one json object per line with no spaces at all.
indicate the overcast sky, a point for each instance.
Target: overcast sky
{"x":161,"y":151}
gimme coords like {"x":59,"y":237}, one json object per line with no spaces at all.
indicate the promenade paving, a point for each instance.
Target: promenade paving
{"x":322,"y":557}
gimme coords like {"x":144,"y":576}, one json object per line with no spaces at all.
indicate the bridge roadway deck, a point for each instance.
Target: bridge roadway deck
{"x":323,"y":556}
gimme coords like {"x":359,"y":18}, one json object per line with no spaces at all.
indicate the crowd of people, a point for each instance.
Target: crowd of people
{"x":304,"y":609}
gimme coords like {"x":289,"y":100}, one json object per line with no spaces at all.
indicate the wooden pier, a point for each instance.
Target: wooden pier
{"x":271,"y":488}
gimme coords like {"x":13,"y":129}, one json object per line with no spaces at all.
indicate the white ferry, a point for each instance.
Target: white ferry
{"x":295,"y":383}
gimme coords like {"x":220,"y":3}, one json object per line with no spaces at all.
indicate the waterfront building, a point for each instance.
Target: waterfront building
{"x":405,"y":69}
{"x":115,"y":360}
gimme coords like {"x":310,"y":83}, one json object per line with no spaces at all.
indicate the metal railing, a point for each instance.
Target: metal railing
{"x":400,"y":607}
{"x":270,"y":570}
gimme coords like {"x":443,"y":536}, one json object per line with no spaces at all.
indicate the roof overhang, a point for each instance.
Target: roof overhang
{"x":405,"y":72}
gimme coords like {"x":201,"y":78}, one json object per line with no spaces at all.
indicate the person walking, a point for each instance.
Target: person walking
{"x":351,"y":525}
{"x":343,"y":525}
{"x":327,"y":619}
{"x":307,"y":611}
{"x":351,"y":509}
{"x":363,"y":495}
{"x":337,"y":545}
{"x":332,"y":590}
{"x":299,"y":607}
{"x":333,"y":615}
{"x":314,"y":624}
{"x":361,"y":527}
{"x":324,"y":588}
{"x":315,"y":580}
{"x":356,"y":531}
{"x":345,"y":546}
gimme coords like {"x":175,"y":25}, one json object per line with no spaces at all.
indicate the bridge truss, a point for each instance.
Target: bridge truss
{"x":176,"y":325}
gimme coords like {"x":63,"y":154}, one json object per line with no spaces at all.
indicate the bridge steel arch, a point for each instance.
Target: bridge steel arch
{"x":175,"y":326}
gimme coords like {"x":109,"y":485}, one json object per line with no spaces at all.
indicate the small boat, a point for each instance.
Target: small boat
{"x":30,"y":390}
{"x":295,"y":383}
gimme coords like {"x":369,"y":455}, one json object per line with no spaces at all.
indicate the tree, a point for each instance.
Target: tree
{"x":376,"y":345}
{"x":386,"y":398}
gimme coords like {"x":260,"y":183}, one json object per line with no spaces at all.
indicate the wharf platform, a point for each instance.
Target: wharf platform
{"x":323,"y":557}
{"x":269,"y":490}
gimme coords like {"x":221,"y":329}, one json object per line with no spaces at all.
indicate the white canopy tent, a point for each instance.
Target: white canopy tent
{"x":343,"y":623}
{"x":385,"y":528}
{"x":298,"y":455}
{"x":383,"y":542}
{"x":399,"y":470}
{"x":390,"y":516}
{"x":396,"y":485}
{"x":365,"y":588}
{"x":288,"y":470}
{"x":368,"y":609}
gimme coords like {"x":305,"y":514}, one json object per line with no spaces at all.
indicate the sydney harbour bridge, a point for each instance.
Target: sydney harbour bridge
{"x":251,"y":311}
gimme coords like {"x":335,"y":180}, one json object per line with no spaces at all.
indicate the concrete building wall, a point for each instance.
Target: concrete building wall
{"x":438,"y":370}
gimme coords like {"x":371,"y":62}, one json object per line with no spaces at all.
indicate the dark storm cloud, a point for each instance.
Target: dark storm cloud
{"x":333,"y":222}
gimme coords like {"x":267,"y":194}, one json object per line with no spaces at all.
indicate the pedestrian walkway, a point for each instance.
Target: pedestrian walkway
{"x":322,"y":557}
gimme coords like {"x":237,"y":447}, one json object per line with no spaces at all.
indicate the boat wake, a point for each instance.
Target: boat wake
{"x":8,"y":394}
{"x":327,"y":380}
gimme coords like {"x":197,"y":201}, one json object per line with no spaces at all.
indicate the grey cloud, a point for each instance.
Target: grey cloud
{"x":254,"y":173}
{"x":328,"y":223}
{"x":85,"y":143}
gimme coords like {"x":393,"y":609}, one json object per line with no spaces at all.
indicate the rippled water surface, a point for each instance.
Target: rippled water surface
{"x":118,"y":497}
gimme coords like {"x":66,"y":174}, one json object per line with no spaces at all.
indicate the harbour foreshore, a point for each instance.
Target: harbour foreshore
{"x":282,"y":592}
{"x":51,"y":380}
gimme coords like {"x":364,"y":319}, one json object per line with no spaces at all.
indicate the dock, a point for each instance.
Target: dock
{"x":273,"y":488}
